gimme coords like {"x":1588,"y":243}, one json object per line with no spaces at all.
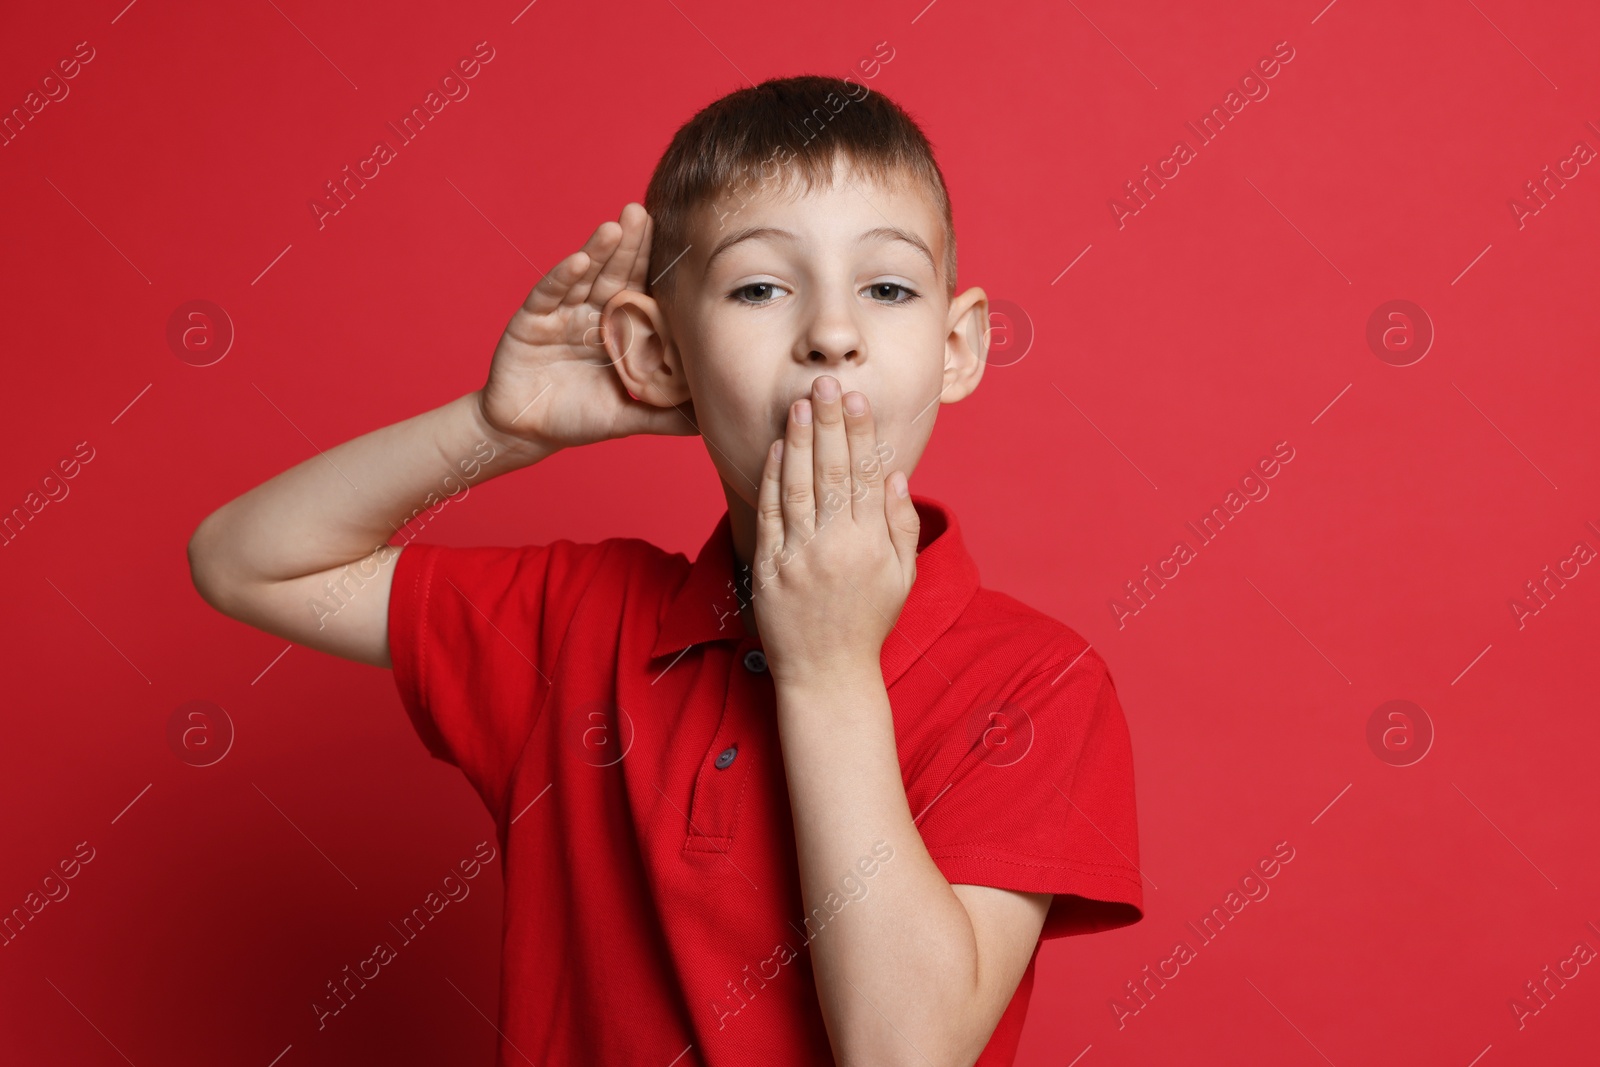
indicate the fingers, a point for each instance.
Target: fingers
{"x":831,"y":465}
{"x":799,"y":498}
{"x":548,"y":293}
{"x":831,"y":449}
{"x":640,"y":277}
{"x":614,"y":275}
{"x":599,"y":248}
{"x":905,"y":525}
{"x":866,"y":480}
{"x":769,"y":514}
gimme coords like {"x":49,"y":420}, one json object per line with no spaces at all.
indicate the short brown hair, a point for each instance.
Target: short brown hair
{"x":793,"y":127}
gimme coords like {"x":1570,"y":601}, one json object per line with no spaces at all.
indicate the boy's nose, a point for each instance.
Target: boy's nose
{"x":844,"y":355}
{"x":832,"y":336}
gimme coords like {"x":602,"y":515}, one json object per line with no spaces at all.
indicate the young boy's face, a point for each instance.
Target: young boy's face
{"x":781,"y":286}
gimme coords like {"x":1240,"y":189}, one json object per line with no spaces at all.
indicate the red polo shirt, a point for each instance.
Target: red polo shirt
{"x":608,"y":706}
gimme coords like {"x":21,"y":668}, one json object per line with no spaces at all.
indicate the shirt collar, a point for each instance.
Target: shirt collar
{"x":706,"y":607}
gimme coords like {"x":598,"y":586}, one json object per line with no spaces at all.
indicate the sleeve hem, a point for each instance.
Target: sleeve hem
{"x":408,"y":605}
{"x":1108,"y":896}
{"x":1047,"y":873}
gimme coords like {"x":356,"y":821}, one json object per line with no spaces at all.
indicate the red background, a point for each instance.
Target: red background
{"x":1226,"y":316}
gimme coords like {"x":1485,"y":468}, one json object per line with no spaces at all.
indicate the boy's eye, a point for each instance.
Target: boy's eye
{"x":767,"y":286}
{"x":757,"y":293}
{"x":879,"y":287}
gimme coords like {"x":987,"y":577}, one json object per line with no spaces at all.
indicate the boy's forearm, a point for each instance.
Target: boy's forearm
{"x":896,"y":970}
{"x":345,"y":503}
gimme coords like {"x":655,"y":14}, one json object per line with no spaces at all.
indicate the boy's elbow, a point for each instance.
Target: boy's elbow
{"x":205,"y":570}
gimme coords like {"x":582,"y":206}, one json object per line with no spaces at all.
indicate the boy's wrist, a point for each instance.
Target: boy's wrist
{"x":520,"y":451}
{"x":825,"y":685}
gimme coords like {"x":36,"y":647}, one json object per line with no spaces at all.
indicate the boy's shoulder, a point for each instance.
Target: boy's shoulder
{"x":1005,"y":633}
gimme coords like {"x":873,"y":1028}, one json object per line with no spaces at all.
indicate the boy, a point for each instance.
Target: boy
{"x":816,"y":796}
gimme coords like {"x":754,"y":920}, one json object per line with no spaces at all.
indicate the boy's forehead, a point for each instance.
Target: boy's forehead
{"x":853,"y":206}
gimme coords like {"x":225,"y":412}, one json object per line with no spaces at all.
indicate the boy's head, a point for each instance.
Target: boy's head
{"x":800,"y":228}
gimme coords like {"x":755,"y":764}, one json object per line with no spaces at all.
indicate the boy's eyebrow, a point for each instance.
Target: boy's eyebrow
{"x":895,"y":233}
{"x":880,"y":233}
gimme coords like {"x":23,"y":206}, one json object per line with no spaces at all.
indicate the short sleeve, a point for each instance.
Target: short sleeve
{"x":1042,"y":800}
{"x":474,"y":635}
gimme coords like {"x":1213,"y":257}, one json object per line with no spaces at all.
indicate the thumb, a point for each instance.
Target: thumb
{"x":905,"y":525}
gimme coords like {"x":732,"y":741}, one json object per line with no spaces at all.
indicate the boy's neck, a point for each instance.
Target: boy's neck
{"x":742,"y":519}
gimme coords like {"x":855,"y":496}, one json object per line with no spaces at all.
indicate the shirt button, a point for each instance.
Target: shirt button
{"x":726,"y":756}
{"x":755,"y":661}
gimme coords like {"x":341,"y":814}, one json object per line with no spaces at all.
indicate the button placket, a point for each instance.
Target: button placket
{"x":720,"y":782}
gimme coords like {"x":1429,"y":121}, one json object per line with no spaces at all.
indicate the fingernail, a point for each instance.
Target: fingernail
{"x":901,"y":487}
{"x":827,"y":388}
{"x":777,"y":453}
{"x":855,"y":403}
{"x":802,"y":414}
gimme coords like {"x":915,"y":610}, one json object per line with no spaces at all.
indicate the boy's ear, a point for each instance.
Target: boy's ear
{"x":966,"y":348}
{"x":639,"y":344}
